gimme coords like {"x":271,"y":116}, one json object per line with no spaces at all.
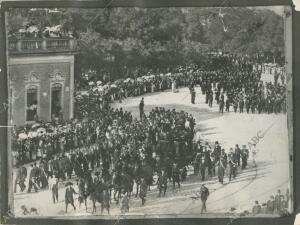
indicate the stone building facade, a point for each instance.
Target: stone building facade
{"x":41,"y":80}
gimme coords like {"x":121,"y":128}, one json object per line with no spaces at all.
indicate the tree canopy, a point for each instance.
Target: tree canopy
{"x":121,"y":41}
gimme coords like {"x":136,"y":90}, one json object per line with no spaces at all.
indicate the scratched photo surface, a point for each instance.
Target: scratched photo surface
{"x":161,"y":111}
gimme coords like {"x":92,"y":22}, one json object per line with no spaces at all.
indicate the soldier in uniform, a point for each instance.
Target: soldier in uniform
{"x":247,"y":103}
{"x":232,"y":164}
{"x":210,"y":98}
{"x":193,"y":94}
{"x":221,"y":105}
{"x":238,"y":154}
{"x":241,"y":105}
{"x":141,"y":107}
{"x":227,"y":103}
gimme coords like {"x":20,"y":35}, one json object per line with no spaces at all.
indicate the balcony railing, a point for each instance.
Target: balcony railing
{"x":41,"y":44}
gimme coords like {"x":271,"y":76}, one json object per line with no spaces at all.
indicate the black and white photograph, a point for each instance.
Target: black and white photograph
{"x":172,"y":111}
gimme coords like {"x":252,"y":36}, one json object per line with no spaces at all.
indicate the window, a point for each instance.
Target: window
{"x":32,"y":103}
{"x":56,"y":100}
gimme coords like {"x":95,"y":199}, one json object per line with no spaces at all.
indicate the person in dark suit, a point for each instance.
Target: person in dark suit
{"x":232,"y":164}
{"x":69,"y":195}
{"x":245,"y":156}
{"x":141,"y":107}
{"x":21,"y":175}
{"x":33,"y":178}
{"x":162,"y":182}
{"x":204,"y":193}
{"x":143,"y":191}
{"x":175,"y":175}
{"x":241,"y":105}
{"x":238,"y":154}
{"x":193,"y":95}
{"x":210,"y":98}
{"x":221,"y":105}
{"x":227,"y":103}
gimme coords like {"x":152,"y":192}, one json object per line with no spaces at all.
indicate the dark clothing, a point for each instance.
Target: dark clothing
{"x":143,"y":191}
{"x":162,"y":183}
{"x":141,"y":107}
{"x":69,"y":195}
{"x":176,"y":176}
{"x":204,"y":193}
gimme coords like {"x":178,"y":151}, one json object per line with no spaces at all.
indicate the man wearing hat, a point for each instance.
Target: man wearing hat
{"x":53,"y":186}
{"x":162,"y":182}
{"x":141,"y":107}
{"x":237,"y":151}
{"x":232,"y":164}
{"x":21,"y":175}
{"x":33,"y":178}
{"x":203,"y":193}
{"x":217,"y":150}
{"x":69,"y":199}
{"x":245,"y":156}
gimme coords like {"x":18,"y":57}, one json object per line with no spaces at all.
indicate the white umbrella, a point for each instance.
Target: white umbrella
{"x":41,"y":131}
{"x":99,"y":82}
{"x":127,"y":80}
{"x":22,"y":30}
{"x":91,"y":83}
{"x":95,"y":89}
{"x":22,"y":136}
{"x":84,"y":93}
{"x":36,"y":125}
{"x":100,"y":88}
{"x":34,"y":134}
{"x":56,"y":28}
{"x":32,"y":29}
{"x":113,"y":86}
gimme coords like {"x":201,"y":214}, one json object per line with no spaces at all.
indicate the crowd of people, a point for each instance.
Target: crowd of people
{"x":123,"y":149}
{"x":108,"y":149}
{"x":239,"y":85}
{"x":277,"y":204}
{"x":233,"y":83}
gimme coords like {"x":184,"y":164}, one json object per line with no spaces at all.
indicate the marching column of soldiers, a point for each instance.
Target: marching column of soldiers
{"x":240,"y":82}
{"x":210,"y":162}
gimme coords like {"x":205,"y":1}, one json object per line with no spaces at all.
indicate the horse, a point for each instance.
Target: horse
{"x":85,"y":188}
{"x":117,"y":185}
{"x":101,"y":194}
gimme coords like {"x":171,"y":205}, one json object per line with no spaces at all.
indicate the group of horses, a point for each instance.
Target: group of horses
{"x":102,"y":189}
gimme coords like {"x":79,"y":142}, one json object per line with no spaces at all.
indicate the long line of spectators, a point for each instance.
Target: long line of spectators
{"x":238,"y":80}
